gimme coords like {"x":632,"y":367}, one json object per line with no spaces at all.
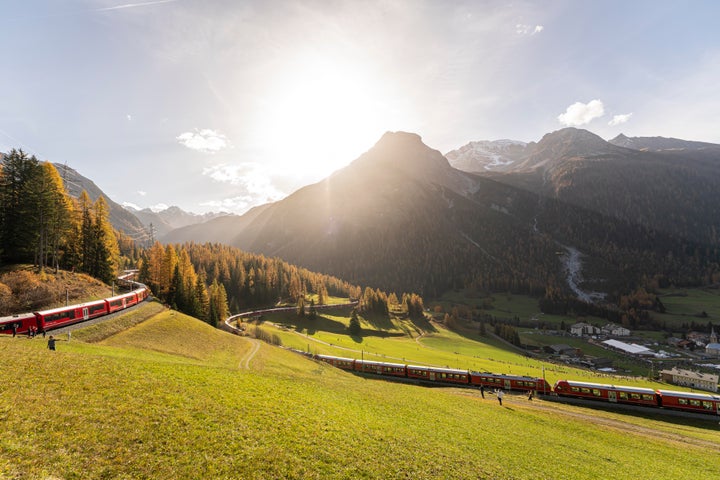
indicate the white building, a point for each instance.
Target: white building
{"x":615,"y":330}
{"x":687,"y":378}
{"x":580,"y":329}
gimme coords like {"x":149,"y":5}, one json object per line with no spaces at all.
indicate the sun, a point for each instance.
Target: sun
{"x":319,"y":116}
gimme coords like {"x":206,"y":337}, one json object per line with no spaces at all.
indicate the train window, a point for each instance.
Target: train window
{"x":585,"y":390}
{"x":695,"y":403}
{"x":596,"y":392}
{"x":707,"y":405}
{"x":623,"y":396}
{"x":648,"y":397}
{"x":682,"y":401}
{"x":575,"y":389}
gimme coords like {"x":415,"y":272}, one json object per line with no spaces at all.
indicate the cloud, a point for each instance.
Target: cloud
{"x":582,"y":113}
{"x":142,"y":193}
{"x":522,"y":29}
{"x":131,"y":206}
{"x":618,"y":119}
{"x":129,"y":117}
{"x":158,"y":207}
{"x":205,"y":140}
{"x":254,"y":187}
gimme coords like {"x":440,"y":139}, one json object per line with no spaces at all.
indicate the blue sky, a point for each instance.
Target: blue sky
{"x":225,"y":104}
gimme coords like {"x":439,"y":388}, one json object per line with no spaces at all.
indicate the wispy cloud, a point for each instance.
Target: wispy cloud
{"x":522,"y":29}
{"x":142,"y":193}
{"x":131,"y":206}
{"x":619,"y":119}
{"x":205,"y":140}
{"x":133,"y":5}
{"x":582,"y":113}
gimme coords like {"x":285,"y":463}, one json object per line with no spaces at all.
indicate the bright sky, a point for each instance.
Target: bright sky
{"x":225,"y":104}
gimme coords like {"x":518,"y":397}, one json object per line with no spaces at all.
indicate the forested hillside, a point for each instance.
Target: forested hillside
{"x":400,"y":217}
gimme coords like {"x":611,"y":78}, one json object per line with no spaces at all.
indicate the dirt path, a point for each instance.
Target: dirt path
{"x":245,"y":360}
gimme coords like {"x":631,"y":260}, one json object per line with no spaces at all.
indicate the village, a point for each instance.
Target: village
{"x":685,"y":362}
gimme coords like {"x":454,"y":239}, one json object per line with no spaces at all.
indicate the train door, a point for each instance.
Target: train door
{"x":612,"y":396}
{"x":508,"y":385}
{"x":432,"y":376}
{"x":86,"y":313}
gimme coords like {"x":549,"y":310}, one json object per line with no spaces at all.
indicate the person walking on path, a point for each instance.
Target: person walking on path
{"x":500,"y":395}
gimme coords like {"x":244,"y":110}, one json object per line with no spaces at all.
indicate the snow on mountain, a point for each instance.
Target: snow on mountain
{"x":494,"y":155}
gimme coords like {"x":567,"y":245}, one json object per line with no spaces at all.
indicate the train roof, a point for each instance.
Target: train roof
{"x":606,"y":386}
{"x":438,"y":369}
{"x":15,"y":318}
{"x":693,"y":395}
{"x":373,"y":362}
{"x":70,"y":307}
{"x":122,"y":295}
{"x":502,"y":375}
{"x":333,"y":357}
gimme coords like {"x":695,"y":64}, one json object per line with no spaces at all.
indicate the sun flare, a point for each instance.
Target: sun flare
{"x":318,"y":117}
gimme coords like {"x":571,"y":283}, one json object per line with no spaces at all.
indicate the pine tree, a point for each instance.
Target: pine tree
{"x":354,"y":327}
{"x":18,"y":219}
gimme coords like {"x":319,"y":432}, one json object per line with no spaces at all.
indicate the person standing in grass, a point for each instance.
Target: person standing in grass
{"x":500,"y":395}
{"x":482,"y":390}
{"x":51,"y":343}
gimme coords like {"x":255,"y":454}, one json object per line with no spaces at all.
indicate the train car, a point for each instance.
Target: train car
{"x":380,"y":368}
{"x":18,"y":324}
{"x":607,"y":393}
{"x":690,"y":401}
{"x":120,"y":302}
{"x":339,"y":362}
{"x":510,"y":382}
{"x":142,"y":293}
{"x":439,"y":375}
{"x":61,"y":316}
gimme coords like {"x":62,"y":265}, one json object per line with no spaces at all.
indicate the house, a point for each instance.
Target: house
{"x":562,"y":349}
{"x":580,"y":329}
{"x":687,"y":378}
{"x":615,"y":330}
{"x":713,"y":349}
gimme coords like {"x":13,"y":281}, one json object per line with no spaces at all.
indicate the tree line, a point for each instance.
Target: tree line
{"x":42,"y":225}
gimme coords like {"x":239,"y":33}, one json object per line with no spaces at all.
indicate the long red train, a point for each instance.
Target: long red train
{"x":45,"y":320}
{"x":645,"y":397}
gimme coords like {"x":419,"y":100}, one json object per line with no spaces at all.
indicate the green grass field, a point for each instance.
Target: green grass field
{"x":173,"y":398}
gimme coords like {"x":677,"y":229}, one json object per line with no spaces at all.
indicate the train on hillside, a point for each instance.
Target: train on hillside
{"x":613,"y":394}
{"x":46,"y":320}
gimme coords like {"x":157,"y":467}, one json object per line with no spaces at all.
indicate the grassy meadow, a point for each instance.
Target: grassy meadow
{"x":170,"y":397}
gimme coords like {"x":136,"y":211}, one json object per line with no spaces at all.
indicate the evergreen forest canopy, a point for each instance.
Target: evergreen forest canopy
{"x":41,"y":224}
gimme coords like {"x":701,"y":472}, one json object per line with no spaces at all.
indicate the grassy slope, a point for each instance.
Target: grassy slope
{"x":170,"y":398}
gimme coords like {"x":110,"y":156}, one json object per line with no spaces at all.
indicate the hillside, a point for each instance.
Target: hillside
{"x":22,"y":289}
{"x":400,"y":217}
{"x":205,"y":404}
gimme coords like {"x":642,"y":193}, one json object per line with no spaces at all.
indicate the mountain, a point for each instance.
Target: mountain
{"x":672,"y":190}
{"x":169,"y":219}
{"x":497,"y":155}
{"x":120,"y":218}
{"x":660,"y":144}
{"x":401,"y":218}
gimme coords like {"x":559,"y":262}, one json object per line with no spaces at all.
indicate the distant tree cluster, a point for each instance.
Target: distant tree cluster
{"x":41,"y":224}
{"x":507,"y":333}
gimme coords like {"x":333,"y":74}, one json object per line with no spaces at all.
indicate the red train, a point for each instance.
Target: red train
{"x":645,"y":397}
{"x":447,"y":376}
{"x":60,"y":317}
{"x":670,"y":399}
